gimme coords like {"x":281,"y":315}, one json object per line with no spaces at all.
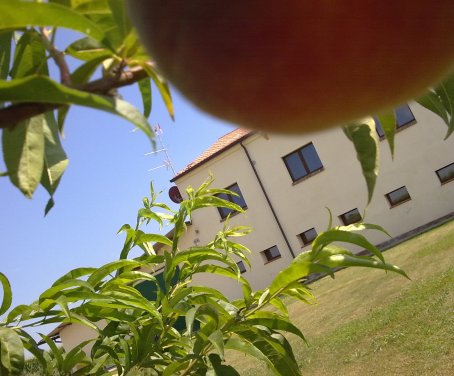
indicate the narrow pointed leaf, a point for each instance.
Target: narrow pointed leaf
{"x":365,"y":140}
{"x":23,"y":153}
{"x":5,"y":53}
{"x":7,"y":294}
{"x":145,"y":92}
{"x":388,"y":123}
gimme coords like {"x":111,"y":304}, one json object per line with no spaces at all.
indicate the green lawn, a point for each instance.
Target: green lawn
{"x":368,"y":322}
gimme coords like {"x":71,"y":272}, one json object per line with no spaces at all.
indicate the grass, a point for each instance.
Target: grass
{"x":368,"y":322}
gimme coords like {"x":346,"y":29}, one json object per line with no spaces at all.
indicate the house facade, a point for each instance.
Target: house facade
{"x":286,"y":183}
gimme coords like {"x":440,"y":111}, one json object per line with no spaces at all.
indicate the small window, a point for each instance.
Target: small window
{"x":303,"y":162}
{"x":271,"y":254}
{"x":398,"y":196}
{"x":239,"y":200}
{"x":241,"y":266}
{"x":308,"y":236}
{"x":350,"y":217}
{"x":446,"y":174}
{"x":404,"y":117}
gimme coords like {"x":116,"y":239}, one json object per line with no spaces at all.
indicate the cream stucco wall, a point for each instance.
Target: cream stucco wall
{"x":420,"y":150}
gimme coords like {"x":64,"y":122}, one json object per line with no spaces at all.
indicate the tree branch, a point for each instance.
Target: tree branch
{"x":11,"y":115}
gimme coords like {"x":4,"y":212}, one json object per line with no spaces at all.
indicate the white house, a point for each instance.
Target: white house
{"x":286,"y":183}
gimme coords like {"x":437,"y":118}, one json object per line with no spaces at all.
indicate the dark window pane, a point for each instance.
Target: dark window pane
{"x":350,"y":217}
{"x":295,"y":166}
{"x":239,"y":200}
{"x":446,"y":173}
{"x":379,"y":128}
{"x":404,"y":116}
{"x":398,"y":196}
{"x":241,"y":266}
{"x":308,"y":236}
{"x":271,"y":254}
{"x":311,"y":157}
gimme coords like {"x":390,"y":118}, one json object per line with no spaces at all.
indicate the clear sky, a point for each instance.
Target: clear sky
{"x":107,"y":177}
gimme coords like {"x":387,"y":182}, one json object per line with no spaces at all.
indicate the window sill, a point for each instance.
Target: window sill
{"x":447,"y":181}
{"x":392,"y":206}
{"x":274,"y":259}
{"x":308,"y":176}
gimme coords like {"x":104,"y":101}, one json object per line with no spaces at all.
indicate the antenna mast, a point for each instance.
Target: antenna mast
{"x":167,"y":162}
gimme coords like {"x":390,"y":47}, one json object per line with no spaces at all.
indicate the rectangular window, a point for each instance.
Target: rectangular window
{"x":271,"y":254}
{"x":308,"y":236}
{"x":303,"y":162}
{"x":239,"y":200}
{"x":241,"y":266}
{"x":446,"y":174}
{"x":398,"y":196}
{"x":350,"y":217}
{"x":404,"y":117}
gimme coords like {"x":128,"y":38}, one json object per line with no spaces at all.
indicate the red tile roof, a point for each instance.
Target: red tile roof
{"x":222,"y":144}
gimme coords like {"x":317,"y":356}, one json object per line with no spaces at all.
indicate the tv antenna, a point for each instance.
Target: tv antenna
{"x":161,"y":149}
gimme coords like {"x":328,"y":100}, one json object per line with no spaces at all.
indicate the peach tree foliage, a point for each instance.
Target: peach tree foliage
{"x":34,"y":104}
{"x":186,"y":328}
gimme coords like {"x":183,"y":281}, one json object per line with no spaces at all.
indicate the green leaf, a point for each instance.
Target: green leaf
{"x":219,"y":368}
{"x":23,"y":153}
{"x":7,"y":294}
{"x":55,"y":351}
{"x":336,"y":257}
{"x":336,"y":235}
{"x":365,"y":140}
{"x":97,"y":276}
{"x":273,"y":321}
{"x":145,"y":92}
{"x":280,"y":361}
{"x":120,"y":16}
{"x":75,"y":273}
{"x":30,"y":56}
{"x":19,"y":15}
{"x":44,"y":90}
{"x":299,"y":268}
{"x":388,"y":123}
{"x":217,"y":339}
{"x":30,"y":345}
{"x":162,"y":86}
{"x":141,"y":237}
{"x":55,"y":159}
{"x":440,"y":100}
{"x":88,"y":49}
{"x":5,"y":53}
{"x":11,"y":353}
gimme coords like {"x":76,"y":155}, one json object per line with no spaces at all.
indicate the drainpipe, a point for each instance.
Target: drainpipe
{"x":268,"y":200}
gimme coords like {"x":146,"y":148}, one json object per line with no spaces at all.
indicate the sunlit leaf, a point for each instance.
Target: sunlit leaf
{"x":145,"y":92}
{"x":55,"y":159}
{"x":7,"y":294}
{"x":11,"y":352}
{"x":365,"y":140}
{"x":23,"y":153}
{"x":388,"y":123}
{"x":88,"y":49}
{"x":20,"y":14}
{"x":44,"y":90}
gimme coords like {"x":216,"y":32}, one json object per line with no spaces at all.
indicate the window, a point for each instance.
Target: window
{"x":303,"y":162}
{"x":404,"y":117}
{"x":241,"y":266}
{"x":308,"y":236}
{"x":398,"y":196}
{"x":350,"y":217}
{"x":271,"y":254}
{"x":446,"y":174}
{"x":239,"y":200}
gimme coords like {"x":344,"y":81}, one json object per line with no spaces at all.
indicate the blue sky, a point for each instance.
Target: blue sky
{"x":102,"y":189}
